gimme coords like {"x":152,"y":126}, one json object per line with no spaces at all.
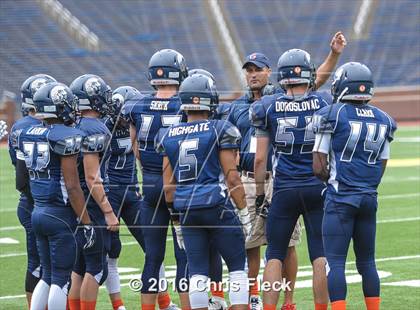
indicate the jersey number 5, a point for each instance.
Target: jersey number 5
{"x":187,"y":162}
{"x":285,"y":139}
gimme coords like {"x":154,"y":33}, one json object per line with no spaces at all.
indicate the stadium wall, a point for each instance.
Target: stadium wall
{"x":401,"y":102}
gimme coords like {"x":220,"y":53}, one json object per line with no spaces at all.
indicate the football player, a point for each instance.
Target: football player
{"x":26,"y":203}
{"x":217,"y":300}
{"x":50,"y":153}
{"x":198,"y":156}
{"x":91,"y":268}
{"x":281,"y":120}
{"x":257,"y":74}
{"x":167,"y":69}
{"x":352,"y":146}
{"x":123,"y":192}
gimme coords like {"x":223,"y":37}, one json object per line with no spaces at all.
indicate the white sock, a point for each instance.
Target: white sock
{"x":57,"y":299}
{"x":239,"y":288}
{"x":161,"y":274}
{"x":113,"y":280}
{"x":39,"y":299}
{"x":198,"y":292}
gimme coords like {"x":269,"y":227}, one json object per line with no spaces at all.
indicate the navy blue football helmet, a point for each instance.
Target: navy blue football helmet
{"x":93,"y":93}
{"x":353,"y":81}
{"x":56,"y":100}
{"x":121,"y":96}
{"x":29,"y":87}
{"x":167,"y":67}
{"x":198,"y":93}
{"x":295,"y":67}
{"x":201,"y":71}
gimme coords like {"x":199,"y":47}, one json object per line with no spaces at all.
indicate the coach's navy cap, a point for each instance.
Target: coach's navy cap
{"x":258,"y":59}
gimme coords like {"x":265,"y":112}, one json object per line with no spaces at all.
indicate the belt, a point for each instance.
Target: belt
{"x":251,"y":175}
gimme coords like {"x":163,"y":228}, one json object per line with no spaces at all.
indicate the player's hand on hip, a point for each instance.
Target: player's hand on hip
{"x":179,"y":236}
{"x":111,"y":221}
{"x":89,"y":235}
{"x":338,"y":43}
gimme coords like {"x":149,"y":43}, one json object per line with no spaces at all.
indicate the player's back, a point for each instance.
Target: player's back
{"x":149,"y":114}
{"x":17,"y":128}
{"x":360,"y":133}
{"x":287,"y":119}
{"x":96,"y":140}
{"x":193,"y":151}
{"x":42,"y":147}
{"x":122,"y":163}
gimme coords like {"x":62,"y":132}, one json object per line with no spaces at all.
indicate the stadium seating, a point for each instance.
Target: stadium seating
{"x":390,"y":48}
{"x":130,"y":32}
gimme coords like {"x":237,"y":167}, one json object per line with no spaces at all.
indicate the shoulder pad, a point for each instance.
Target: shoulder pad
{"x":65,"y":140}
{"x":325,"y":119}
{"x":95,"y":143}
{"x":325,"y":96}
{"x":222,"y":111}
{"x":68,"y":146}
{"x":258,"y":113}
{"x":229,"y":137}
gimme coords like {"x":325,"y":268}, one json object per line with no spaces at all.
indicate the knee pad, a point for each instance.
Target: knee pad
{"x":30,"y":282}
{"x":238,"y":287}
{"x":198,"y":291}
{"x":112,"y":282}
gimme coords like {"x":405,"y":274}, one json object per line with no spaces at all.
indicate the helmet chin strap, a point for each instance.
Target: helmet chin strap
{"x":342,"y":94}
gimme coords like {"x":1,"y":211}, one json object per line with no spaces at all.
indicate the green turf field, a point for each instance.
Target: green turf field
{"x":398,"y":241}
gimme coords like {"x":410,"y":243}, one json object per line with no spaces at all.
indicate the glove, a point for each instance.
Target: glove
{"x":264,"y":210}
{"x":261,"y":206}
{"x":179,"y":237}
{"x":172,"y":212}
{"x":245,"y":221}
{"x":3,"y":129}
{"x":90,"y":236}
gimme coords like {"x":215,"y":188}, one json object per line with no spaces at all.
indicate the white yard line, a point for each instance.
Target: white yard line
{"x":408,"y":140}
{"x":385,"y":259}
{"x":378,"y":260}
{"x":399,"y":220}
{"x":408,"y":195}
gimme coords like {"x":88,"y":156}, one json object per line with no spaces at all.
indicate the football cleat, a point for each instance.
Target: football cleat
{"x":217,"y":303}
{"x":172,"y":306}
{"x":288,"y":307}
{"x":255,"y":303}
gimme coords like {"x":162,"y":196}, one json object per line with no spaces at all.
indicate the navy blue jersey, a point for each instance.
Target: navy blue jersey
{"x":237,"y":113}
{"x":193,"y":151}
{"x":359,"y":134}
{"x":122,"y":163}
{"x":96,"y":140}
{"x":286,"y":121}
{"x":42,"y":148}
{"x":149,"y":114}
{"x":17,"y":128}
